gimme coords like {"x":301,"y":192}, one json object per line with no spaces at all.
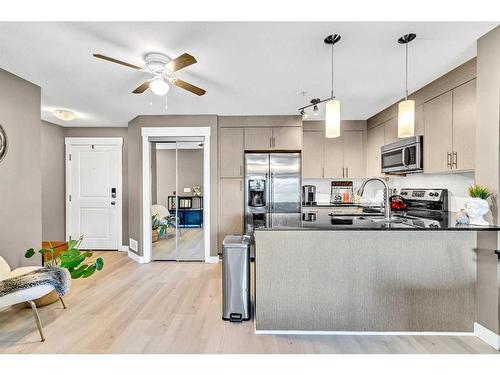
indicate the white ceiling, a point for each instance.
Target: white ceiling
{"x":251,"y":68}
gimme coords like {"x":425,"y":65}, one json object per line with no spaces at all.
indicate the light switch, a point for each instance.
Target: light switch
{"x":187,"y":190}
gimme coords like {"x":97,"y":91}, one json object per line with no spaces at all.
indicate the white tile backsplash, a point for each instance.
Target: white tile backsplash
{"x":456,"y":183}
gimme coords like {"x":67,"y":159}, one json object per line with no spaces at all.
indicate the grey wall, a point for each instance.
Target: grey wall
{"x":135,"y":164}
{"x":53,"y":182}
{"x":20,"y":170}
{"x":488,"y":173}
{"x":190,"y":172}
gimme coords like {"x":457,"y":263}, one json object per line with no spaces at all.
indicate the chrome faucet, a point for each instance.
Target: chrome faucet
{"x":387,"y":203}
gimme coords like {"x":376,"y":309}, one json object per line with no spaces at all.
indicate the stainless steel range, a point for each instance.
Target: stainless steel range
{"x":426,"y":208}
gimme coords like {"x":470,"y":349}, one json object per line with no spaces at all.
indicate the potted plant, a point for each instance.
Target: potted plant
{"x":74,"y":260}
{"x":476,"y":206}
{"x":159,"y":226}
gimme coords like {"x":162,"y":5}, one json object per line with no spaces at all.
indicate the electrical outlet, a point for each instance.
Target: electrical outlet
{"x":187,"y":190}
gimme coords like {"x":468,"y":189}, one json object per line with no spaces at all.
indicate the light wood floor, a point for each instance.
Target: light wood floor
{"x":190,"y":245}
{"x":168,"y":307}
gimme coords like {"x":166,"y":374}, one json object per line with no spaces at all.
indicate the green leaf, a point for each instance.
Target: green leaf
{"x":89,"y":271}
{"x":99,"y":263}
{"x":29,"y":253}
{"x":78,"y":272}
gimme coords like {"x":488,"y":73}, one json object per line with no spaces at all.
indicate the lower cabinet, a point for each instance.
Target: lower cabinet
{"x":231,"y":214}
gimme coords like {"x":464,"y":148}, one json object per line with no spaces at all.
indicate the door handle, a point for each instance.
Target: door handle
{"x":403,"y":156}
{"x":113,"y":203}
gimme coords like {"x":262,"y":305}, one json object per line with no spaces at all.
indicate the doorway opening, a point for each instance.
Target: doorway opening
{"x":176,"y":191}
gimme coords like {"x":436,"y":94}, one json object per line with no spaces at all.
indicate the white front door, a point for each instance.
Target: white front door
{"x":94,"y":197}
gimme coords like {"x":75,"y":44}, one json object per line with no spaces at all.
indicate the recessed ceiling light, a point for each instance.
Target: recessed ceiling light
{"x":64,"y":114}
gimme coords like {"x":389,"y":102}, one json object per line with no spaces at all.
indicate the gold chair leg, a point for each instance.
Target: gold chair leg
{"x":64,"y":305}
{"x":37,"y":319}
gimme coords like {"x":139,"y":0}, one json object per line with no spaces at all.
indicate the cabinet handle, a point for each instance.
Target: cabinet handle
{"x":343,"y":172}
{"x":347,"y":172}
{"x":323,"y":172}
{"x":455,"y":159}
{"x":241,"y":185}
{"x":241,"y":170}
{"x":270,"y":142}
{"x":448,"y":159}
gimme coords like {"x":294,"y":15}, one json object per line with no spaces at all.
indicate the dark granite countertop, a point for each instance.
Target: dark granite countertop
{"x":358,"y":222}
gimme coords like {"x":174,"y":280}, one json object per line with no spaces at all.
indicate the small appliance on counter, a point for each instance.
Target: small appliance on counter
{"x":309,"y":195}
{"x":342,"y":192}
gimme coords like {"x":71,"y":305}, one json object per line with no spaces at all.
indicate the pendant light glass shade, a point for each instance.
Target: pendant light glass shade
{"x":406,"y":119}
{"x":332,"y":119}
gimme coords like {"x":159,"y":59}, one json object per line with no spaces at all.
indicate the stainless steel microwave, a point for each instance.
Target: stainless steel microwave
{"x":405,"y":156}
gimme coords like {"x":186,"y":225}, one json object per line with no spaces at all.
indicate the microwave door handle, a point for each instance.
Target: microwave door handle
{"x":403,"y":156}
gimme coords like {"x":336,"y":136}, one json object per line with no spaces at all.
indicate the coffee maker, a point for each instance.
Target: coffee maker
{"x":309,"y":195}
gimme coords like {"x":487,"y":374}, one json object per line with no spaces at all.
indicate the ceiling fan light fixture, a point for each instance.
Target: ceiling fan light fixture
{"x":64,"y":114}
{"x":158,"y":86}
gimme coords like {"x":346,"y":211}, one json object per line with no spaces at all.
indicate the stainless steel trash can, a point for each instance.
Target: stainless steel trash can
{"x":236,"y":278}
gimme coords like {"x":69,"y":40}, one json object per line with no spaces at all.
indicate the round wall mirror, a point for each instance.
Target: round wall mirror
{"x":3,"y":143}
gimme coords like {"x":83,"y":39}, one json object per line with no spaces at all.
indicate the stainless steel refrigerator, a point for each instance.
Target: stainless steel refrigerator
{"x":272,"y":190}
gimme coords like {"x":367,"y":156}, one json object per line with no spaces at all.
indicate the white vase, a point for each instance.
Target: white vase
{"x":476,"y":208}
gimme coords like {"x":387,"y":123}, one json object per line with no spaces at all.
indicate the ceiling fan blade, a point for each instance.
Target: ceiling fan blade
{"x":141,"y":88}
{"x":181,"y":62}
{"x":189,"y":87}
{"x":110,"y":59}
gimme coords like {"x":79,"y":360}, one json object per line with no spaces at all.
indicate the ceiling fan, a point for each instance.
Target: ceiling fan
{"x":161,"y":68}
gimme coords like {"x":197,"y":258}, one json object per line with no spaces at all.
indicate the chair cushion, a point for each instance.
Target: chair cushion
{"x":25,"y":295}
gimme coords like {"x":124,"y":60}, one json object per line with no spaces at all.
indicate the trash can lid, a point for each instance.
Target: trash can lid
{"x":236,"y":241}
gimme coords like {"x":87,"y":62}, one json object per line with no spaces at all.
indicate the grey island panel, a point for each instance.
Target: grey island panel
{"x":416,"y":281}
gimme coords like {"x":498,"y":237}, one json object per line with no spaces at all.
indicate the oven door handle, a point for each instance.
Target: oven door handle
{"x":403,"y":156}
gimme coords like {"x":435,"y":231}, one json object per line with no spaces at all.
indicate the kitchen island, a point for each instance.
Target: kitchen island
{"x":362,"y":275}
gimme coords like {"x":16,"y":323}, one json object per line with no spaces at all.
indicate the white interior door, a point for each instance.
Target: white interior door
{"x":94,"y":192}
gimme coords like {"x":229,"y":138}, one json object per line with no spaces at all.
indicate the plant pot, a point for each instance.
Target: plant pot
{"x":476,"y":208}
{"x":155,"y":236}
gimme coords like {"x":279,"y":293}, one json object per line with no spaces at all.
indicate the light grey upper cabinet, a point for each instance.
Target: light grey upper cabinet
{"x":438,"y":123}
{"x":391,"y":130}
{"x":341,"y":157}
{"x":334,"y":157}
{"x":258,"y":138}
{"x":231,"y":212}
{"x":419,"y":120}
{"x":231,"y":152}
{"x":464,"y":126}
{"x":375,"y":141}
{"x":313,"y":155}
{"x":287,"y":138}
{"x":354,"y":156}
{"x":273,"y":138}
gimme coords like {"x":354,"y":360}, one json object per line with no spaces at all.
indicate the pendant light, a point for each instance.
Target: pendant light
{"x":406,"y":108}
{"x":332,"y":110}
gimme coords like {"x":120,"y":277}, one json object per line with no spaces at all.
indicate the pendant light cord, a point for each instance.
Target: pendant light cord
{"x":406,"y":70}
{"x":332,"y":73}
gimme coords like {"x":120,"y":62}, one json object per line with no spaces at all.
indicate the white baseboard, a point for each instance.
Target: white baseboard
{"x":136,"y":257}
{"x":361,"y":333}
{"x":213,"y":259}
{"x":124,"y":248}
{"x":489,"y":337}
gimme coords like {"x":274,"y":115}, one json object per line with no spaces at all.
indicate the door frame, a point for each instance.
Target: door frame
{"x":102,"y":141}
{"x":192,"y":131}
